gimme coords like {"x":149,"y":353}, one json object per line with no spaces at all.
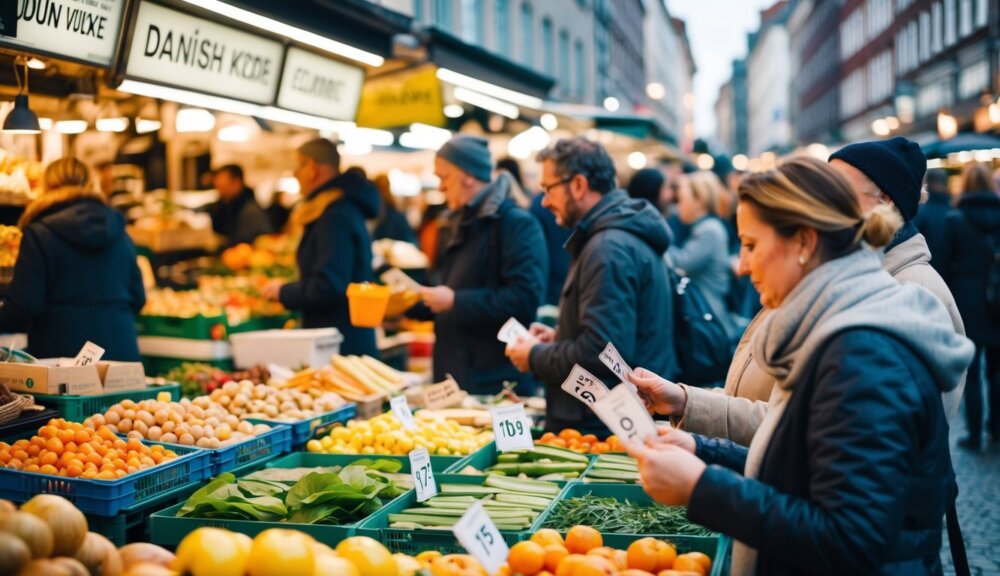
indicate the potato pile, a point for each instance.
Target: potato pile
{"x":205,"y":425}
{"x":248,"y":400}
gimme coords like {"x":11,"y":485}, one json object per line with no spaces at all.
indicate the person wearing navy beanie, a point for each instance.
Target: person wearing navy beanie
{"x":891,"y":172}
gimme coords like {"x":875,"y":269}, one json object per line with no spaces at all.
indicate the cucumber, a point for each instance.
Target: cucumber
{"x":522,"y":485}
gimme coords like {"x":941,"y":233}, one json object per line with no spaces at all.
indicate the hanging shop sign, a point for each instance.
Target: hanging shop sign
{"x":402,"y":99}
{"x":80,"y":30}
{"x":313,"y":84}
{"x":177,"y":49}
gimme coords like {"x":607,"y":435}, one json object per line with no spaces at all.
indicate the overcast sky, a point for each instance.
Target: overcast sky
{"x":717,"y":30}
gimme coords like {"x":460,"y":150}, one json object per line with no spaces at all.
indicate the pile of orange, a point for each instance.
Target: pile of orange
{"x":585,"y":443}
{"x":69,"y":449}
{"x":583,"y":553}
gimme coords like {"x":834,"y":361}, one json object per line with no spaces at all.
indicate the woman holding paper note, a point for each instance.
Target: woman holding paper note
{"x":850,"y":470}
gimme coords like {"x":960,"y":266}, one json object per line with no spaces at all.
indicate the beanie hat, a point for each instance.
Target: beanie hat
{"x":471,"y":154}
{"x":896,"y":166}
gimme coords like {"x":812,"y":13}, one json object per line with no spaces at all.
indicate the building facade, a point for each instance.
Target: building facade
{"x":815,"y":60}
{"x":620,"y":51}
{"x":667,"y":69}
{"x":768,"y":83}
{"x":684,"y":69}
{"x":731,"y":112}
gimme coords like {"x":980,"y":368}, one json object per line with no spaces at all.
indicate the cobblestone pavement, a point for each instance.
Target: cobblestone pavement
{"x":978,"y":505}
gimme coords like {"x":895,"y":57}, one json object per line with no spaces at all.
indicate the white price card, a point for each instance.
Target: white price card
{"x":279,"y":372}
{"x":624,"y":413}
{"x":401,"y":410}
{"x":90,"y":354}
{"x":511,"y":428}
{"x":400,"y":281}
{"x":584,"y":385}
{"x":511,"y":331}
{"x":423,"y":476}
{"x":614,"y":361}
{"x":480,"y":538}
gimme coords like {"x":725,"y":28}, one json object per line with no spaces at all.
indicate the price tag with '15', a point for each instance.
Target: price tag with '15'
{"x":480,"y":538}
{"x":584,"y":385}
{"x":624,"y":413}
{"x":614,"y":361}
{"x":401,"y":410}
{"x":423,"y":476}
{"x":511,"y":428}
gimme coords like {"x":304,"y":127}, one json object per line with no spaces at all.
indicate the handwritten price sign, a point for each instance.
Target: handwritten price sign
{"x":584,"y":385}
{"x":510,"y":426}
{"x":423,"y":476}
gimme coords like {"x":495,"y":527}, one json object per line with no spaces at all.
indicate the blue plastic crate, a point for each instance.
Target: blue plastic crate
{"x":262,"y":447}
{"x":130,"y":524}
{"x":305,"y":430}
{"x":109,"y":497}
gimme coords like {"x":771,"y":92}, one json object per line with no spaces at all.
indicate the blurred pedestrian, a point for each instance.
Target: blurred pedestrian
{"x":555,"y":240}
{"x":932,"y":218}
{"x":278,"y":212}
{"x":236,"y":215}
{"x":974,"y":261}
{"x":390,"y":222}
{"x":617,"y":291}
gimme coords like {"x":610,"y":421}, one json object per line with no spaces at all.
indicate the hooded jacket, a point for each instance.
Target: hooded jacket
{"x":977,"y":216}
{"x":617,"y":291}
{"x":932,"y":221}
{"x":76,"y":278}
{"x":242,"y":220}
{"x":493,"y":256}
{"x":334,"y":251}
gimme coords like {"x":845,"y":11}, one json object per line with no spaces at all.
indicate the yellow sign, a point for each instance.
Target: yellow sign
{"x":402,"y":99}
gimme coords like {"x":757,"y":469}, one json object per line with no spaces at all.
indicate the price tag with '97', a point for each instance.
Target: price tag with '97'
{"x":481,"y":538}
{"x":511,"y":428}
{"x":584,"y":385}
{"x":423,"y":476}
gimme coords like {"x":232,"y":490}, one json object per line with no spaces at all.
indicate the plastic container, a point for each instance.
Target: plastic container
{"x":291,"y":348}
{"x":260,"y":448}
{"x":78,"y":408}
{"x":368,"y":303}
{"x":304,"y":430}
{"x":129,"y":525}
{"x":487,"y":456}
{"x":439,"y":464}
{"x":196,"y":327}
{"x":161,"y":365}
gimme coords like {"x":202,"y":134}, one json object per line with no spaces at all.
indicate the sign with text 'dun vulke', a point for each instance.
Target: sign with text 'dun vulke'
{"x":178,"y":49}
{"x":81,"y":30}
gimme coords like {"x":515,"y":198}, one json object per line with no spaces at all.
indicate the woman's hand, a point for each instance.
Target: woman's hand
{"x":668,"y":473}
{"x":669,"y":436}
{"x":661,"y":396}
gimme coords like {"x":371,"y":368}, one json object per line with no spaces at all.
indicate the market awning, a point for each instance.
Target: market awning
{"x":965,"y":142}
{"x":635,"y":126}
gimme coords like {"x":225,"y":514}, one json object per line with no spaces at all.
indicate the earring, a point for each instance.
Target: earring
{"x":802,"y":260}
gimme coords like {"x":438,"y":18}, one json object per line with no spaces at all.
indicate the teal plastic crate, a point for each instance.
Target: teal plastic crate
{"x":439,"y":464}
{"x":487,"y":456}
{"x":305,"y":430}
{"x":413,"y":542}
{"x":78,"y":408}
{"x":129,"y":525}
{"x":196,"y":327}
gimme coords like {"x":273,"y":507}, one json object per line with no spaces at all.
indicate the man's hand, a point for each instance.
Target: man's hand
{"x":519,"y":352}
{"x":438,"y":299}
{"x":669,"y":436}
{"x":545,"y":334}
{"x":272,"y":290}
{"x":669,"y":473}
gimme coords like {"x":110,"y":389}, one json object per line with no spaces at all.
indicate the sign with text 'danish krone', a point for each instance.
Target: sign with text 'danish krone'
{"x":321,"y":86}
{"x":84,"y":30}
{"x":402,"y":98}
{"x":178,"y":49}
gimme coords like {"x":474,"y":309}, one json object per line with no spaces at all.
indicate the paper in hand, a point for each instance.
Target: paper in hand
{"x":511,"y":331}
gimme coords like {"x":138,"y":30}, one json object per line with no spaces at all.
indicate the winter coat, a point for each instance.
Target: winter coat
{"x":493,"y":256}
{"x":932,"y":222}
{"x":76,"y":278}
{"x":392,"y":224}
{"x":335,"y":250}
{"x":976,"y":215}
{"x":242,"y":220}
{"x":617,"y":291}
{"x":704,"y":258}
{"x":555,"y":241}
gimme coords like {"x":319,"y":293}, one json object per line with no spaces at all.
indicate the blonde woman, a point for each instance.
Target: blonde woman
{"x":849,"y":473}
{"x":76,"y":277}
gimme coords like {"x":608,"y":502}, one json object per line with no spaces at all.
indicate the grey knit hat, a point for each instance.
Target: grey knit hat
{"x":471,"y":154}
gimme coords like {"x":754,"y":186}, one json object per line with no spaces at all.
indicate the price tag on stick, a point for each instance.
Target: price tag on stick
{"x":623,"y":412}
{"x":511,"y":428}
{"x":90,"y":354}
{"x":480,"y":538}
{"x":401,"y":410}
{"x":423,"y":476}
{"x":614,"y":361}
{"x":511,"y":331}
{"x":584,"y":385}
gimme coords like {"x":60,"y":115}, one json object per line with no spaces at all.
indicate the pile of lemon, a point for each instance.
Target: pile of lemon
{"x":385,"y":434}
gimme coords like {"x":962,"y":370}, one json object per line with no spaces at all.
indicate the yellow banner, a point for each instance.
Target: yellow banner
{"x":402,"y":99}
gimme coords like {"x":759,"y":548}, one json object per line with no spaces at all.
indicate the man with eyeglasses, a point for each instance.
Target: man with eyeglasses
{"x":617,"y":289}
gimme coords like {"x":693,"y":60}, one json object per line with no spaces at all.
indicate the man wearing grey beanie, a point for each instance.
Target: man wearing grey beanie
{"x":492,"y":263}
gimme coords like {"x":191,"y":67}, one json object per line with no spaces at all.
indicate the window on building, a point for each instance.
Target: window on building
{"x":548,"y":48}
{"x":581,"y":69}
{"x":472,"y":21}
{"x":418,"y":10}
{"x":442,"y":14}
{"x":925,"y":36}
{"x":936,"y":28}
{"x":965,"y":18}
{"x":501,"y":24}
{"x":982,"y":12}
{"x":528,"y":34}
{"x":564,"y":63}
{"x":949,"y":22}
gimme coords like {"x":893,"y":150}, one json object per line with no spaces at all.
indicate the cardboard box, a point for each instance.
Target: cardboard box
{"x":59,"y":376}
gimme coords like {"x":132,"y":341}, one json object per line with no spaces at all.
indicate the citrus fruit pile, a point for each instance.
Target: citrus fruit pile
{"x":384,"y":434}
{"x":585,"y":443}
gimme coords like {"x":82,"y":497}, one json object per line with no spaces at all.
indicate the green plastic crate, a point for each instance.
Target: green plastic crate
{"x":161,"y":365}
{"x":78,"y":408}
{"x":129,"y":525}
{"x":196,"y":327}
{"x":439,"y":464}
{"x":276,"y":322}
{"x":413,"y":542}
{"x":716,"y":547}
{"x":487,"y":456}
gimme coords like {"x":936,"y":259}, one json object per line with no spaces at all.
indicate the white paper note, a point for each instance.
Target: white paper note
{"x":511,"y":428}
{"x":584,"y":385}
{"x":511,"y":331}
{"x":477,"y":533}
{"x":423,"y":476}
{"x":614,"y":361}
{"x":623,"y":412}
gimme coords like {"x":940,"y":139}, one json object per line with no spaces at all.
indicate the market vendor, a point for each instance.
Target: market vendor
{"x":335,"y":248}
{"x":76,"y":278}
{"x":237,"y":215}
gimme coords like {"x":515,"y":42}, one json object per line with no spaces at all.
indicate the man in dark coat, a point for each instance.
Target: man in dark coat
{"x":932,"y":218}
{"x":617,"y":290}
{"x":237,"y":215}
{"x":492,"y":263}
{"x":76,"y":277}
{"x":335,"y":249}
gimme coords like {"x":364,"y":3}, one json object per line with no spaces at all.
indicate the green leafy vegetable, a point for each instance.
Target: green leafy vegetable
{"x":611,"y":515}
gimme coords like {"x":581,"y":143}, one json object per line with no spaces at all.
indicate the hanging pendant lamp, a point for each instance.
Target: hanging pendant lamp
{"x":21,"y":120}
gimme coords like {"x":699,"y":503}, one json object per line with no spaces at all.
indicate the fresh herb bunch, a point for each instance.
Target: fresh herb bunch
{"x":612,"y":516}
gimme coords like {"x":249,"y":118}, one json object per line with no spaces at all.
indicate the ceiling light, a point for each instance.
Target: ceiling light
{"x":740,"y":162}
{"x":637,"y":160}
{"x":487,"y":103}
{"x":20,"y":119}
{"x":454,"y":111}
{"x":549,"y":121}
{"x":297,"y":34}
{"x":356,"y":148}
{"x":236,"y":133}
{"x":369,"y":136}
{"x":519,"y":98}
{"x":195,"y":120}
{"x":706,"y":162}
{"x":525,"y":144}
{"x":420,"y":141}
{"x":656,"y":91}
{"x":611,"y":104}
{"x":36,"y":64}
{"x":880,"y":127}
{"x":892,"y":122}
{"x":145,"y":125}
{"x":45,"y":123}
{"x":71,"y":126}
{"x":111,"y":124}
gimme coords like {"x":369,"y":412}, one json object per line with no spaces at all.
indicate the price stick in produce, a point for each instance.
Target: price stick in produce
{"x":614,"y":361}
{"x":510,"y":426}
{"x":401,"y":410}
{"x":626,"y":416}
{"x":511,"y":331}
{"x":423,"y":476}
{"x":480,"y":538}
{"x":584,"y":385}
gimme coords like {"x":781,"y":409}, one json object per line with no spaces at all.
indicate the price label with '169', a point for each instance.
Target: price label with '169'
{"x":511,"y":428}
{"x":423,"y":476}
{"x":480,"y":538}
